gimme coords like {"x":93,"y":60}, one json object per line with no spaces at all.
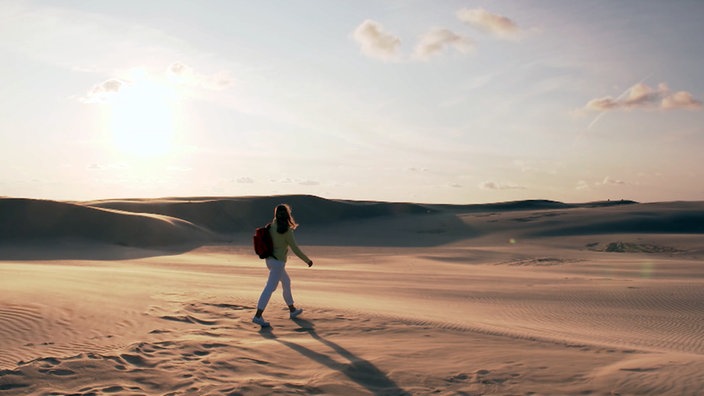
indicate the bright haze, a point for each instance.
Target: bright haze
{"x":424,"y":101}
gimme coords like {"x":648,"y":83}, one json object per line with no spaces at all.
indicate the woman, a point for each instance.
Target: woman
{"x":282,"y":235}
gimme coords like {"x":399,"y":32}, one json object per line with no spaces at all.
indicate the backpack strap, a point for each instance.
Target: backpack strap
{"x":268,"y":227}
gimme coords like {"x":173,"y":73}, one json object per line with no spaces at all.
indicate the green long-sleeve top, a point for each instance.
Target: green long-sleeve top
{"x":282,"y":243}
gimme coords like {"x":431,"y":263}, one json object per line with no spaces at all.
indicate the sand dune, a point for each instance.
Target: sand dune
{"x":26,"y":219}
{"x":197,"y":221}
{"x":545,"y":298}
{"x":244,"y":214}
{"x":682,"y":218}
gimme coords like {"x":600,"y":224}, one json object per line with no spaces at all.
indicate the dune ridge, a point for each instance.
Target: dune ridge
{"x":28,"y":219}
{"x":239,"y":214}
{"x":196,"y":221}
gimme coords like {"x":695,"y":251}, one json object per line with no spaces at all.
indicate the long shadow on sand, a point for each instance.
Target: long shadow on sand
{"x":358,"y":370}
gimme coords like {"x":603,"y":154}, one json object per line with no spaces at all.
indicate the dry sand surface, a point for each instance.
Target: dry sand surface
{"x":522,"y":299}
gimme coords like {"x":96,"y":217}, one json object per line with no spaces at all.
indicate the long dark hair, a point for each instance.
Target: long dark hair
{"x":284,"y":219}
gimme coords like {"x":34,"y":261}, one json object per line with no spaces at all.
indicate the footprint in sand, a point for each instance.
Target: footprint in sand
{"x":59,"y":372}
{"x":136,"y":360}
{"x":113,"y":389}
{"x":11,"y":386}
{"x":461,"y":377}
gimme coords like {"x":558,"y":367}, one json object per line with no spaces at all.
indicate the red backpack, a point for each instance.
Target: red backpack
{"x":263,"y":245}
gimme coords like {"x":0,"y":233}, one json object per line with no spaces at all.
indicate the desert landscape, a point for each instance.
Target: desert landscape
{"x":155,"y":297}
{"x":498,"y":197}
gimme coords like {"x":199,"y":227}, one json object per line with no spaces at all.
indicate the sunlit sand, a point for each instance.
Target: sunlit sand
{"x":524,"y":298}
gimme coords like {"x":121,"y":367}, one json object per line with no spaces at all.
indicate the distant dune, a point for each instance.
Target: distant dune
{"x":530,"y":204}
{"x":661,"y":218}
{"x":165,"y":222}
{"x":227,"y":215}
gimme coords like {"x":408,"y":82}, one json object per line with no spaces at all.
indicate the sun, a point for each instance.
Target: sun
{"x":142,"y":119}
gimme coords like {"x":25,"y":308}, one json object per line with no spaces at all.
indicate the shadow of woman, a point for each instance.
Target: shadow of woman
{"x":359,"y":370}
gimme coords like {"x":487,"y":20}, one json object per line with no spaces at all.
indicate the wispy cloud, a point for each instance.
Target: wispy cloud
{"x":63,"y":36}
{"x":175,"y":75}
{"x":497,"y":25}
{"x":300,"y":182}
{"x":582,"y":185}
{"x":376,"y":42}
{"x":183,"y":74}
{"x":309,"y":183}
{"x":642,"y":96}
{"x":492,"y":185}
{"x":606,"y":181}
{"x":245,"y":180}
{"x":437,"y":40}
{"x":100,"y":93}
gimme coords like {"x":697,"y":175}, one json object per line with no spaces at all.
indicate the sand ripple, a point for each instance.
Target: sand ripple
{"x":22,"y":326}
{"x":215,"y":349}
{"x":654,"y":316}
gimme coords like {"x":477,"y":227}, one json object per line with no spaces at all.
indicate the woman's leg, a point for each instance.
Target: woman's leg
{"x":276,"y":269}
{"x":288,"y":297}
{"x":286,"y":285}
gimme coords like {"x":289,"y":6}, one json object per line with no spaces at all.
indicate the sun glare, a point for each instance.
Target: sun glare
{"x":142,"y":118}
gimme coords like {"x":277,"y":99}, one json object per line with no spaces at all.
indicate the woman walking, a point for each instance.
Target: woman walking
{"x":281,"y":231}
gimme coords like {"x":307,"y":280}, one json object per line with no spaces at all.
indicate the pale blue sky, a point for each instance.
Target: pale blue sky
{"x":425,"y":101}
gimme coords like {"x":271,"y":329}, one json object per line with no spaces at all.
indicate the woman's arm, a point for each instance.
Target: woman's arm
{"x":291,"y":239}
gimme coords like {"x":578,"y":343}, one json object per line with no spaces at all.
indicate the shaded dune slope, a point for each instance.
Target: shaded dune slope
{"x":242,"y":214}
{"x":529,"y":204}
{"x":32,"y":220}
{"x":660,"y":218}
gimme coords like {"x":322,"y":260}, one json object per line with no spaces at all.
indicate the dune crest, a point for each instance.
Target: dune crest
{"x":41,"y":220}
{"x":196,"y":221}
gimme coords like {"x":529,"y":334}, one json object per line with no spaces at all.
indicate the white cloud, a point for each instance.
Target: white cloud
{"x":606,"y":181}
{"x":642,"y":96}
{"x":245,"y":180}
{"x":436,"y":40}
{"x":680,"y":100}
{"x":498,"y":25}
{"x":300,"y":182}
{"x":582,"y":185}
{"x":613,"y":182}
{"x":176,"y":75}
{"x":375,"y":42}
{"x":100,"y":93}
{"x":491,"y":185}
{"x":603,"y":104}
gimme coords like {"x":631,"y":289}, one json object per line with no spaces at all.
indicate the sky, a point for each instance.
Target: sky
{"x":408,"y":101}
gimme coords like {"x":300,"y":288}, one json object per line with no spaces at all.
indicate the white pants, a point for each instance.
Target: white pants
{"x":277,"y":273}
